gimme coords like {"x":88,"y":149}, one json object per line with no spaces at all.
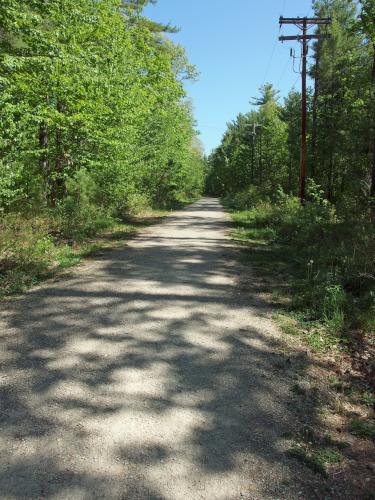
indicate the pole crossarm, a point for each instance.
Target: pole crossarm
{"x":318,"y":36}
{"x":307,"y":20}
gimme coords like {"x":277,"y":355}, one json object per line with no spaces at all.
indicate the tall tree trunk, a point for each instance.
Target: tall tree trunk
{"x":314,"y":133}
{"x":290,"y":174}
{"x":372,"y":189}
{"x":260,"y":160}
{"x":57,"y":180}
{"x":332,"y":150}
{"x":43,"y":157}
{"x":252,"y":160}
{"x":43,"y":146}
{"x":330,"y":180}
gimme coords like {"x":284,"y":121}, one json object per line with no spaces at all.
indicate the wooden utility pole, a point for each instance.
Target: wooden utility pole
{"x":304,"y":23}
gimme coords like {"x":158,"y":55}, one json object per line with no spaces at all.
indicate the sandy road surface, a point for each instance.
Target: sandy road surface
{"x":147,"y":373}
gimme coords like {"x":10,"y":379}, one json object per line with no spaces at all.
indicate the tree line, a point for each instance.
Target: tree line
{"x":329,"y":241}
{"x":95,"y":130}
{"x":262,"y":147}
{"x":92,"y":104}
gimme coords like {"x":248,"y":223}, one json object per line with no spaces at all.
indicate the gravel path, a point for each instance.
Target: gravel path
{"x":147,"y":373}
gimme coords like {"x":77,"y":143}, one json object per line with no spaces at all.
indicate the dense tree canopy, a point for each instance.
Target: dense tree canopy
{"x":92,"y":87}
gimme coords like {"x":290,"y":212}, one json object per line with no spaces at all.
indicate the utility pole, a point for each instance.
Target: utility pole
{"x":304,"y":23}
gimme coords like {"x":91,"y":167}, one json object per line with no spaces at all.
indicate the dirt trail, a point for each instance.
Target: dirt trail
{"x":147,"y":373}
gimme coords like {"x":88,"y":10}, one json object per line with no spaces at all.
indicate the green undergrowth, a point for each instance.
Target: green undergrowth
{"x":36,"y":242}
{"x":358,"y":392}
{"x":316,"y":259}
{"x":34,"y":248}
{"x":316,"y":452}
{"x":316,"y":264}
{"x":362,"y":428}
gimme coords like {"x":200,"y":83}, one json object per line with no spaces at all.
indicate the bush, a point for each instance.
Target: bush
{"x":78,"y":215}
{"x":24,"y":242}
{"x":26,"y":251}
{"x":331,"y":253}
{"x":136,"y":203}
{"x":244,"y":200}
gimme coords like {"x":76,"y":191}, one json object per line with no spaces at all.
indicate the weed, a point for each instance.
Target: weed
{"x":326,"y":456}
{"x":288,"y":324}
{"x":67,"y":257}
{"x":32,"y":249}
{"x":329,"y":441}
{"x":302,"y":455}
{"x":335,"y":383}
{"x":317,"y":452}
{"x":368,"y":398}
{"x":316,"y":460}
{"x":362,"y":428}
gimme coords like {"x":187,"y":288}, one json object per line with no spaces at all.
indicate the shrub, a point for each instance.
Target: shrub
{"x":26,"y":251}
{"x":136,"y":203}
{"x":330,"y":253}
{"x":245,"y":200}
{"x":24,"y":242}
{"x":79,"y":216}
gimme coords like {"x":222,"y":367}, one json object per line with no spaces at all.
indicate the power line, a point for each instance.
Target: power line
{"x":283,"y":72}
{"x":270,"y":61}
{"x":273,"y":48}
{"x":294,"y":84}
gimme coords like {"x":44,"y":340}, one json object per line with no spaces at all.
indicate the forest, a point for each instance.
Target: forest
{"x":176,"y":324}
{"x":95,"y":125}
{"x":327,"y":244}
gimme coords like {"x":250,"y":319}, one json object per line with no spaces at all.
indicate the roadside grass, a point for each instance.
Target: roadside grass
{"x":316,"y":459}
{"x":279,"y":262}
{"x":331,"y":393}
{"x":31,"y":250}
{"x":362,"y":428}
{"x":275,"y":262}
{"x":278,"y":265}
{"x":318,"y":453}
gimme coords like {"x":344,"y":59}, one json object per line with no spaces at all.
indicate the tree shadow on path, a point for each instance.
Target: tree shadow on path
{"x":148,"y":374}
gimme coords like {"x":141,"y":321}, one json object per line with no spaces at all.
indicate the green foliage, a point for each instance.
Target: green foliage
{"x":364,"y":429}
{"x":326,"y":255}
{"x":83,"y":87}
{"x":26,"y":251}
{"x":327,"y":244}
{"x":94,"y":120}
{"x":253,"y":150}
{"x":79,"y":215}
{"x":244,"y":200}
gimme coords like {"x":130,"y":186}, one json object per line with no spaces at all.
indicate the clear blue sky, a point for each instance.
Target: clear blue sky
{"x":234,"y":45}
